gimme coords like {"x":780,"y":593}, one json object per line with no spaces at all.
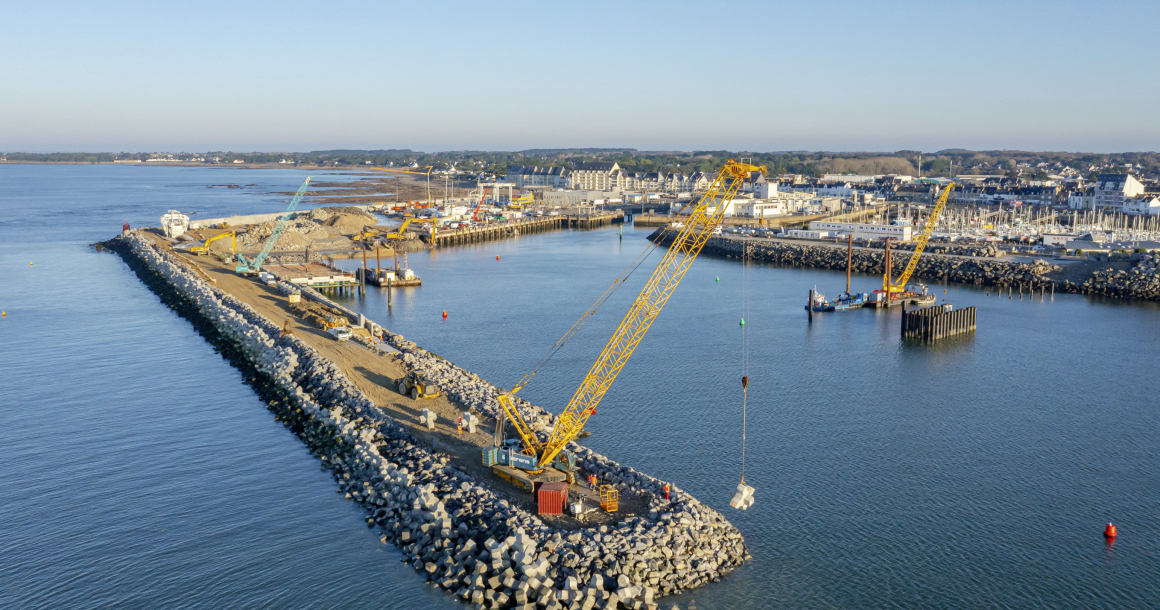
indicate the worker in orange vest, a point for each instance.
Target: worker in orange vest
{"x":666,"y":491}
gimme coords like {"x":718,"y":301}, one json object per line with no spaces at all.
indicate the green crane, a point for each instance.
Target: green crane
{"x":255,"y":265}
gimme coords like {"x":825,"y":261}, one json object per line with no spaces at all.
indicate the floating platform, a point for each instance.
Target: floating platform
{"x":382,"y":278}
{"x":314,"y":275}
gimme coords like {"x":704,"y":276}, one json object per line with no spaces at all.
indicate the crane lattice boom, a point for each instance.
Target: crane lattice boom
{"x":900,"y":285}
{"x":680,"y":255}
{"x":256,"y":265}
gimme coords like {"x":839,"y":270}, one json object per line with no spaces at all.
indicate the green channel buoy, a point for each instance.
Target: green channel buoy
{"x":718,"y":279}
{"x":743,"y":321}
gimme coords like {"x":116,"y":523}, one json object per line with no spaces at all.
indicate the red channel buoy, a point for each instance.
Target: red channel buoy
{"x":445,"y":314}
{"x":497,"y":257}
{"x":1110,"y":531}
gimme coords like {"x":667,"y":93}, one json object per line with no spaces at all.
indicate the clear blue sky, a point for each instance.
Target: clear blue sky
{"x":761,"y":76}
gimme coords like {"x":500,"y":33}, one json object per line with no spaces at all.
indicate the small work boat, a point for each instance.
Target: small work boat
{"x":820,"y":303}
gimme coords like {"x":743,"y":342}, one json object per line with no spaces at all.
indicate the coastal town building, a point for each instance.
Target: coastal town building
{"x":1113,"y":190}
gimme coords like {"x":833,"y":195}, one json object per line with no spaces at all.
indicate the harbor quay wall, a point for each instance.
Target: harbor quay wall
{"x":1141,"y":281}
{"x":453,"y":529}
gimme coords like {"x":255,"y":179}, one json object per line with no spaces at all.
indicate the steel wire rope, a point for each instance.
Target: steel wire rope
{"x":744,"y":350}
{"x":608,"y":292}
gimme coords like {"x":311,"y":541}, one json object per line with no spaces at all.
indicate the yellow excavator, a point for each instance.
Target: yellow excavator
{"x":402,"y":230}
{"x":895,"y":289}
{"x":204,"y":248}
{"x":543,"y":461}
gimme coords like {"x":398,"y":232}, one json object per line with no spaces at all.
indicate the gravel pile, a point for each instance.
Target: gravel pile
{"x":1140,"y":282}
{"x":455,"y":532}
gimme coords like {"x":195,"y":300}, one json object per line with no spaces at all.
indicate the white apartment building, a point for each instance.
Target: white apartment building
{"x":596,"y":176}
{"x":863,"y":231}
{"x":1113,"y":190}
{"x":551,"y":177}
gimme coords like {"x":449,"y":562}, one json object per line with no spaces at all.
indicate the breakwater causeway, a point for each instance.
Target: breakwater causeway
{"x":1128,"y":275}
{"x":454,"y":530}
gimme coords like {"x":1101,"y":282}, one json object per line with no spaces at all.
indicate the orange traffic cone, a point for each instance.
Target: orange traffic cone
{"x":1110,"y":531}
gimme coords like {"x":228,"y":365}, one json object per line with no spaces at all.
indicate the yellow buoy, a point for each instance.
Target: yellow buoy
{"x":29,"y":264}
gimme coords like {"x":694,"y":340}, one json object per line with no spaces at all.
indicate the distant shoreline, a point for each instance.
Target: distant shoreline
{"x":178,"y":164}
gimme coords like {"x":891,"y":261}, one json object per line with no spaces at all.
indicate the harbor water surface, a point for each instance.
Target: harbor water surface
{"x":141,"y":471}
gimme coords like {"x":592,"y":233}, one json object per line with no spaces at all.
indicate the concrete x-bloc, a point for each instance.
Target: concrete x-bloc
{"x":428,"y":418}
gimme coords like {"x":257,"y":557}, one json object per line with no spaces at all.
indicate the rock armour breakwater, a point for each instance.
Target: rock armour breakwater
{"x":1142,"y":281}
{"x":459,"y":534}
{"x":931,"y":268}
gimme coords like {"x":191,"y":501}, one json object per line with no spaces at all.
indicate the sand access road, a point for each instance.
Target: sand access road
{"x":376,"y":373}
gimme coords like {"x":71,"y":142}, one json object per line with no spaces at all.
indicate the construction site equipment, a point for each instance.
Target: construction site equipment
{"x":204,"y":248}
{"x":416,"y":386}
{"x":254,"y":266}
{"x":609,"y":498}
{"x":418,"y":171}
{"x":479,"y":204}
{"x":317,"y":314}
{"x":899,"y":287}
{"x":551,"y":498}
{"x":401,"y":232}
{"x":540,"y":457}
{"x":522,"y":201}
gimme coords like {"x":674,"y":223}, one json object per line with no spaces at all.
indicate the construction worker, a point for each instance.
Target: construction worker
{"x":666,"y":491}
{"x":459,"y":426}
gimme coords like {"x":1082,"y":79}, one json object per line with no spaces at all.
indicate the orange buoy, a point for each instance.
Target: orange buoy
{"x":444,"y":314}
{"x":497,"y":257}
{"x":1110,"y":531}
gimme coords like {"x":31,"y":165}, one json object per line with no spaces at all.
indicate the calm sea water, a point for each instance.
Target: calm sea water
{"x":141,"y":472}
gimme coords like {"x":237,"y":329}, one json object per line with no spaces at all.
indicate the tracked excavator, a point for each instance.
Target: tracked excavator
{"x":534,"y":459}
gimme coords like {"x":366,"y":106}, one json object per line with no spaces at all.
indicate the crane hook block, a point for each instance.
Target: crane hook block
{"x":745,"y":382}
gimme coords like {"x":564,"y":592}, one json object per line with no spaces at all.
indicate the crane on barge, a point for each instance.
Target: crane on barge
{"x":545,"y":461}
{"x":896,"y":289}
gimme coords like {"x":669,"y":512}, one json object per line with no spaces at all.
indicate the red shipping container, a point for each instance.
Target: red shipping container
{"x":551,"y":498}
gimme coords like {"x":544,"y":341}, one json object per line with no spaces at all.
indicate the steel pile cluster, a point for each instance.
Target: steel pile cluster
{"x":460,"y":535}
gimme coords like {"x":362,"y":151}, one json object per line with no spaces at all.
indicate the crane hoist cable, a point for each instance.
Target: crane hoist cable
{"x":608,"y":292}
{"x":744,"y":352}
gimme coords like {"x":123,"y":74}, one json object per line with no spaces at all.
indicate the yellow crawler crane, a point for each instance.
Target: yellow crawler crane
{"x":893,"y":288}
{"x":537,"y":457}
